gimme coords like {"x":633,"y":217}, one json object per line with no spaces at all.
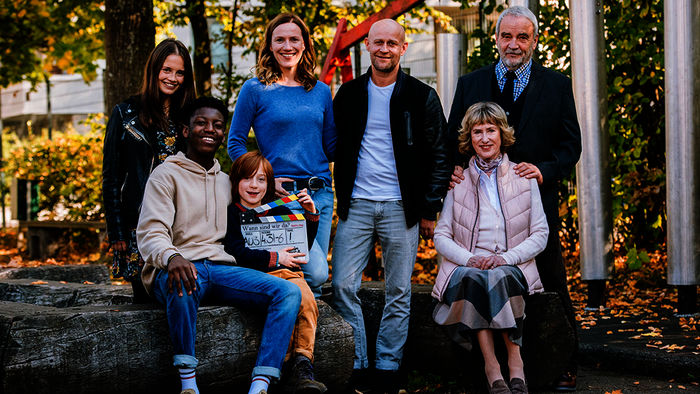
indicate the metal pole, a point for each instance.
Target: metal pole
{"x":358,"y":60}
{"x":592,"y":171}
{"x":682,"y":63}
{"x":2,"y":169}
{"x":533,"y":5}
{"x":450,"y":53}
{"x":48,"y":103}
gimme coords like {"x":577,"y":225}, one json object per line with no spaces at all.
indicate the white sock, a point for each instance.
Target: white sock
{"x":260,"y":382}
{"x":188,"y":379}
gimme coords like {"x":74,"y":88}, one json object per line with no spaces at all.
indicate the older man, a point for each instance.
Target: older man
{"x":540,"y":106}
{"x":391,"y":174}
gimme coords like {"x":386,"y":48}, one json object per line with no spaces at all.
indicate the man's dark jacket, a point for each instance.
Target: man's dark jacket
{"x":419,"y":138}
{"x":548,"y":134}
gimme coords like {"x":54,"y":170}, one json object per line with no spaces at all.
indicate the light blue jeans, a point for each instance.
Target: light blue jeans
{"x":351,"y":248}
{"x":316,"y":270}
{"x":238,"y":286}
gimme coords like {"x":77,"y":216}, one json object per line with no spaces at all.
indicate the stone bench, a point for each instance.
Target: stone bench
{"x":78,"y":273}
{"x":548,"y":338}
{"x":71,"y":337}
{"x":110,"y":346}
{"x":63,"y":294}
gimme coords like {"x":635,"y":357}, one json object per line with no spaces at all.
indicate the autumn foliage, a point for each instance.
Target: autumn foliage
{"x":68,"y":169}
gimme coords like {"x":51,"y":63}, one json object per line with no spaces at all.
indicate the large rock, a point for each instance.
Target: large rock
{"x":79,"y":273}
{"x":126,"y":349}
{"x":547,"y":343}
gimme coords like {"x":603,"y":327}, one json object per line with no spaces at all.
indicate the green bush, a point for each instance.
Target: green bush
{"x":68,"y":169}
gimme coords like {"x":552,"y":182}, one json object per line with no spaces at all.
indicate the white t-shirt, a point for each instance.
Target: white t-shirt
{"x":376,"y":178}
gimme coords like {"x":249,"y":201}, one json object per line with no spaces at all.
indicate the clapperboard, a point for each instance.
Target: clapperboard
{"x":274,"y":233}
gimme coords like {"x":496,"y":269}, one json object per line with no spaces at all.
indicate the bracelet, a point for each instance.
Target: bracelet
{"x":173,"y":256}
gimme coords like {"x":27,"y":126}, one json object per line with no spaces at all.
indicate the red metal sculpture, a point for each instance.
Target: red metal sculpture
{"x":339,"y":52}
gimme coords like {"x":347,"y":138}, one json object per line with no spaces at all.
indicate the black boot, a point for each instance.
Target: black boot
{"x":303,"y":377}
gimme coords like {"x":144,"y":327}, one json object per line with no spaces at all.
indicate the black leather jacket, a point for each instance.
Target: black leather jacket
{"x":128,"y":161}
{"x":419,"y":136}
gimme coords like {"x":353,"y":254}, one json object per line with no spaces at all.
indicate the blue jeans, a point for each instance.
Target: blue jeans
{"x":316,"y":270}
{"x":351,"y":248}
{"x":239,"y":286}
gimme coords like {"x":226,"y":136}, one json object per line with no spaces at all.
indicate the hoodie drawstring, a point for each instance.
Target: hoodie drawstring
{"x":216,"y":214}
{"x":206,"y":199}
{"x":206,"y":195}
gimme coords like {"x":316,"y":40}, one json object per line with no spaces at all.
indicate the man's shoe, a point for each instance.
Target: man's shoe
{"x":518,"y":386}
{"x":360,"y":381}
{"x":566,"y":382}
{"x":303,"y":377}
{"x":187,"y":391}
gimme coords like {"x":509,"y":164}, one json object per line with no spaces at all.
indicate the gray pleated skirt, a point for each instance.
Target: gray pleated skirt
{"x":483,"y":299}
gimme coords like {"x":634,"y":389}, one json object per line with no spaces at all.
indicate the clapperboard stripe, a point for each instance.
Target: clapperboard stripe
{"x":250,"y":216}
{"x":276,"y":203}
{"x":282,"y":218}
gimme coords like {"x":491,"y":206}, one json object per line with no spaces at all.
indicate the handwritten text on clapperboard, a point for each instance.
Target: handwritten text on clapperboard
{"x":276,"y":236}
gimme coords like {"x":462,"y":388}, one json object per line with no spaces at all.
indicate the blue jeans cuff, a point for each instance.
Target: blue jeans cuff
{"x":386,"y":365}
{"x":359,"y":364}
{"x":272,"y":372}
{"x":185,"y":361}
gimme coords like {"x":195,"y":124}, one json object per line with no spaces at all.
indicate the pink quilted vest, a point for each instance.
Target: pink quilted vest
{"x":514,"y":193}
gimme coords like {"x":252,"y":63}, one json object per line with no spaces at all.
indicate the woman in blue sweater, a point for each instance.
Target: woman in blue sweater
{"x":291,"y":113}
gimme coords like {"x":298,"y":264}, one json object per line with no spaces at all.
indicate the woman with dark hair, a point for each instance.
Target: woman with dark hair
{"x":491,"y":228}
{"x":142,"y":131}
{"x":291,"y":114}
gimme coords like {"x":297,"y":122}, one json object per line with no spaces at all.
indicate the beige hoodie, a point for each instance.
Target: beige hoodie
{"x":183,"y":211}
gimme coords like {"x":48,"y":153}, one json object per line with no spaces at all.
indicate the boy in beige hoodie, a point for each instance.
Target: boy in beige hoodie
{"x":182,"y":223}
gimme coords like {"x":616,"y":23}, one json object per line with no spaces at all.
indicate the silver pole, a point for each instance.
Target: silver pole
{"x":592,"y":171}
{"x":533,"y":5}
{"x":682,"y":62}
{"x":450,"y":55}
{"x":49,"y":115}
{"x":2,"y":168}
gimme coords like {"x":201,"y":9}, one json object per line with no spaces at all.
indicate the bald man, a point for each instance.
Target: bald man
{"x":391,"y":174}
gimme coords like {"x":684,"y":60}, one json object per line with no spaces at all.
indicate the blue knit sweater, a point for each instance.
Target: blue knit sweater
{"x":294,"y":128}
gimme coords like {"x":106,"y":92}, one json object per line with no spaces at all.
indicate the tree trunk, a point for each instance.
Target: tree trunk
{"x":129,"y":39}
{"x":202,"y":46}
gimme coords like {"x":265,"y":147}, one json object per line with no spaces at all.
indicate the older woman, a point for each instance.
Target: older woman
{"x":291,"y":114}
{"x":491,"y":227}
